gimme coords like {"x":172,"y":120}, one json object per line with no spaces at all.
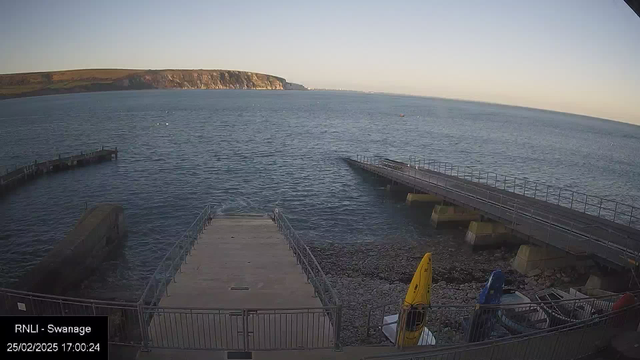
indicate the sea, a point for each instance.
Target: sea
{"x":251,"y":151}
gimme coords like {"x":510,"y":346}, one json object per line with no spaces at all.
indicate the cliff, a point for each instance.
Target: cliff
{"x":73,"y":81}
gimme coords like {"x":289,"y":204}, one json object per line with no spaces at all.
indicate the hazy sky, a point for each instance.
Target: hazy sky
{"x":577,"y":56}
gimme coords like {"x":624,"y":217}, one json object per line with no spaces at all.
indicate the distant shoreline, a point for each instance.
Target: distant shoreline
{"x":97,"y":80}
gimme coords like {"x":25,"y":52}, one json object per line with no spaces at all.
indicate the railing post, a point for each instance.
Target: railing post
{"x":631,"y":215}
{"x":245,"y":329}
{"x":525,"y":188}
{"x":401,"y":327}
{"x":143,"y":327}
{"x":586,"y":200}
{"x":615,"y":212}
{"x":572,"y":194}
{"x":600,"y":207}
{"x":337,"y":328}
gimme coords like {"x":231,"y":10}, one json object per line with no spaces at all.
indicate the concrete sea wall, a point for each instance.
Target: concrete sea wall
{"x":74,"y":258}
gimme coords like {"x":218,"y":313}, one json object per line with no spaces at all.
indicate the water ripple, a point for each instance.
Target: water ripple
{"x":249,"y":151}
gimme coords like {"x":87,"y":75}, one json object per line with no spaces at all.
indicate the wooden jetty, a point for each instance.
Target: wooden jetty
{"x":11,"y":178}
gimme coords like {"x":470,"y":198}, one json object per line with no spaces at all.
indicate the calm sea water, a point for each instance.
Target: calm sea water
{"x":251,"y":151}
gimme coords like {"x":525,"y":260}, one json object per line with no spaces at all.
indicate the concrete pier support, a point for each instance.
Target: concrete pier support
{"x":398,"y":188}
{"x":413,"y":198}
{"x":614,"y":283}
{"x":454,"y":215}
{"x":531,"y":257}
{"x":482,"y":234}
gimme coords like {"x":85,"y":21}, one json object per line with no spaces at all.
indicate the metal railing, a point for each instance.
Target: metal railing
{"x":569,"y":341}
{"x":148,"y":325}
{"x":307,"y":261}
{"x":239,"y":329}
{"x":608,"y":209}
{"x":312,"y":270}
{"x":125,"y":323}
{"x":458,"y":324}
{"x":8,"y":168}
{"x":173,"y":260}
{"x":559,"y":230}
{"x":242,"y":329}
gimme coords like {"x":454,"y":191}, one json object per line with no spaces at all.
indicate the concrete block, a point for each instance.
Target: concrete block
{"x":73,"y":259}
{"x":607,"y":283}
{"x":424,"y":198}
{"x":532,"y":257}
{"x":487,"y":234}
{"x":452,"y":215}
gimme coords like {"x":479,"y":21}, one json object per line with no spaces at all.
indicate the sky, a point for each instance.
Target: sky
{"x":577,"y":56}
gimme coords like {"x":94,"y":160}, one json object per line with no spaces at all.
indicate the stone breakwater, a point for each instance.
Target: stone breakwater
{"x":367,"y":275}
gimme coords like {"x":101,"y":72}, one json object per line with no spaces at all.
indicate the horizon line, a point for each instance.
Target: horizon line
{"x":340,"y":89}
{"x":475,"y":101}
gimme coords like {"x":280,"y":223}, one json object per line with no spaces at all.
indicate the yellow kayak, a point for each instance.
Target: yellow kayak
{"x":415,"y":305}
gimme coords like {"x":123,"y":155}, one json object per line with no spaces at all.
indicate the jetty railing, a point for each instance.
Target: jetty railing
{"x":612,"y":210}
{"x":570,"y":341}
{"x":8,"y":168}
{"x":616,"y":211}
{"x":557,"y":228}
{"x":173,"y":260}
{"x":239,"y":329}
{"x":307,"y":261}
{"x":245,"y":329}
{"x":322,"y":288}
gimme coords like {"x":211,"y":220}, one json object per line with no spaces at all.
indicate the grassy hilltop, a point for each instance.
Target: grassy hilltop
{"x":86,"y":80}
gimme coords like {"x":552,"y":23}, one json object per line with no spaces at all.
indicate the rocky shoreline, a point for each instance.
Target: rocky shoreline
{"x":369,"y":275}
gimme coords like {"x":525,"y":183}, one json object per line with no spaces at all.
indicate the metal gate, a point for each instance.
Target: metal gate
{"x":240,"y":329}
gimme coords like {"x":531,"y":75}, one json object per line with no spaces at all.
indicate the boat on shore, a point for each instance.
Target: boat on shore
{"x":600,"y":300}
{"x":564,"y":308}
{"x":518,"y":315}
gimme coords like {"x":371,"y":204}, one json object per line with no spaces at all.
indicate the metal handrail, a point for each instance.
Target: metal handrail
{"x":66,"y":299}
{"x":511,"y":205}
{"x":9,"y":168}
{"x":619,"y":212}
{"x":398,"y":304}
{"x":309,"y":264}
{"x":321,"y":286}
{"x":173,"y":260}
{"x":380,"y":311}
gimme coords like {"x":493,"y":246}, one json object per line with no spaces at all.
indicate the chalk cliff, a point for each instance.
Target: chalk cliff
{"x":73,"y":81}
